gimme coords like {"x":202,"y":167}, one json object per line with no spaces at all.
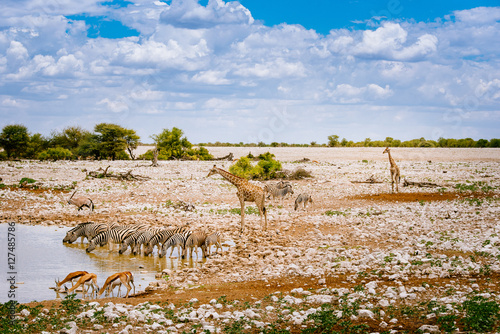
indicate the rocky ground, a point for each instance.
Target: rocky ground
{"x":360,"y":259}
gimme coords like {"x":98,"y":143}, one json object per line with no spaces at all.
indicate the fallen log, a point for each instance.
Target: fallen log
{"x":128,"y":176}
{"x":369,"y":180}
{"x":228,"y":157}
{"x":407,"y":183}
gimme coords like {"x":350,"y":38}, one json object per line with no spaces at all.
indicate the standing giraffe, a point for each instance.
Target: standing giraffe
{"x":246,"y":192}
{"x":395,"y":175}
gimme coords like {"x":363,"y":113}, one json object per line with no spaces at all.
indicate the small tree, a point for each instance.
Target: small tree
{"x":69,"y":138}
{"x":14,"y":139}
{"x":89,"y":147}
{"x":132,"y":140}
{"x":333,"y":140}
{"x":36,"y":145}
{"x":171,"y":144}
{"x":111,"y":139}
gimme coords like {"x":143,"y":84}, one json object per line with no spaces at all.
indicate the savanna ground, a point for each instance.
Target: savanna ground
{"x":423,"y":250}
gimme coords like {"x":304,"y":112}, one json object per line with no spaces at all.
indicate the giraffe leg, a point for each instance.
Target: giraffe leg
{"x":242,"y":224}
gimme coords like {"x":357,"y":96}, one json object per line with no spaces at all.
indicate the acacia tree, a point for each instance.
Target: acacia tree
{"x":69,"y":138}
{"x":111,"y":139}
{"x":132,"y":140}
{"x":333,"y":140}
{"x":14,"y":139}
{"x":171,"y":144}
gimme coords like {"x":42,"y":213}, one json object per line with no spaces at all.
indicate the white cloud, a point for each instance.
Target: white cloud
{"x":388,"y":42}
{"x":211,"y":77}
{"x":190,"y":14}
{"x":278,"y":68}
{"x":116,"y":106}
{"x":17,"y":51}
{"x":479,"y":15}
{"x":215,"y":60}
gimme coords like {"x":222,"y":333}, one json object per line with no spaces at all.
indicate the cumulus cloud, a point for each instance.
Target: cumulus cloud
{"x":217,"y":61}
{"x":191,"y":15}
{"x":388,"y":42}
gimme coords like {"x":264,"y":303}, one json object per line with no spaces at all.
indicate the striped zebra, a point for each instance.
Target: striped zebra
{"x":195,"y":240}
{"x":213,"y":239}
{"x":131,"y":241}
{"x":114,"y":235}
{"x":177,"y":240}
{"x":160,"y":238}
{"x":303,"y":199}
{"x":277,"y":192}
{"x":85,"y":230}
{"x":143,"y":238}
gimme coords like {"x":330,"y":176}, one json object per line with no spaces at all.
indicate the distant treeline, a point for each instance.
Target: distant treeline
{"x":111,"y":141}
{"x":334,"y":141}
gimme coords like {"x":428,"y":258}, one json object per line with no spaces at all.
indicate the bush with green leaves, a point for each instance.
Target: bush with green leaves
{"x":266,"y":168}
{"x":56,"y":153}
{"x":481,"y":315}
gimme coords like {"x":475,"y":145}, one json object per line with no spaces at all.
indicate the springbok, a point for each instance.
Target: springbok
{"x":118,"y":279}
{"x":70,"y":278}
{"x":87,"y":280}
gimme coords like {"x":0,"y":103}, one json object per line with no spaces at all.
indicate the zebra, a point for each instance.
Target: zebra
{"x":116,"y":235}
{"x":160,"y":238}
{"x":268,"y":188}
{"x":281,"y":192}
{"x":304,"y":199}
{"x":131,"y":241}
{"x":177,"y":240}
{"x":213,"y":239}
{"x":195,"y":240}
{"x":86,"y":230}
{"x":144,"y":238}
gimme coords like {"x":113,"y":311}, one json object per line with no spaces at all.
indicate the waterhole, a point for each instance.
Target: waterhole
{"x":41,"y":257}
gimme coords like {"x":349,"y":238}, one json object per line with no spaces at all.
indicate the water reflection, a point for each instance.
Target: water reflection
{"x":41,"y":257}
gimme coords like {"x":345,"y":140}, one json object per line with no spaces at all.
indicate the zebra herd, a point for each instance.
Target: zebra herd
{"x":141,"y":237}
{"x":281,"y":189}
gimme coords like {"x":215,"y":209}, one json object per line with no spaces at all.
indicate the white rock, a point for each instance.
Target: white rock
{"x":429,"y":329}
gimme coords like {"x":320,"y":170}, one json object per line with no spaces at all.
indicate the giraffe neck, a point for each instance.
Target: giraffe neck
{"x":391,"y":160}
{"x":237,"y":181}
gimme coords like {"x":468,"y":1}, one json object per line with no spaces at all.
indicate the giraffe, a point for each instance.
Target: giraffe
{"x":246,"y":192}
{"x":395,"y":175}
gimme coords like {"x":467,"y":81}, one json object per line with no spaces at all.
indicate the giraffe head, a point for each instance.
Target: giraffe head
{"x":387,"y":150}
{"x":212,"y":171}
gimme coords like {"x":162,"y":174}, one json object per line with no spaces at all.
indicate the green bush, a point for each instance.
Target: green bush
{"x":27,"y":180}
{"x":265,"y":169}
{"x":480,"y":315}
{"x":242,"y":168}
{"x":57,"y":153}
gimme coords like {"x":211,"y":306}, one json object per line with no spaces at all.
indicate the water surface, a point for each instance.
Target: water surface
{"x":41,"y":257}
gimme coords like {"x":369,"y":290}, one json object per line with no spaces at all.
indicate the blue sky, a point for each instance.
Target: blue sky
{"x":284,"y":71}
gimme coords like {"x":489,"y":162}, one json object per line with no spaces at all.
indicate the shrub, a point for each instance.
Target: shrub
{"x":299,"y":173}
{"x":242,"y":168}
{"x":481,"y":315}
{"x":265,"y":169}
{"x":57,"y":153}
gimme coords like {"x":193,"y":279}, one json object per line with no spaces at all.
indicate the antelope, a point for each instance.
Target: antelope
{"x":81,"y":201}
{"x":118,"y":279}
{"x":87,"y":280}
{"x":70,"y":278}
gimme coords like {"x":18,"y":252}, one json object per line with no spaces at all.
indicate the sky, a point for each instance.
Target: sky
{"x":250,"y":71}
